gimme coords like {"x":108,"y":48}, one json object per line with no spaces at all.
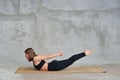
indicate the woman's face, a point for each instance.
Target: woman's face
{"x":27,"y":56}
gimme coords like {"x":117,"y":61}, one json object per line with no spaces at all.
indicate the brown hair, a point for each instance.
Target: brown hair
{"x":31,"y":53}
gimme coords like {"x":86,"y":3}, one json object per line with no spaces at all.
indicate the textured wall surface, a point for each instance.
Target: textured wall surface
{"x":52,"y":25}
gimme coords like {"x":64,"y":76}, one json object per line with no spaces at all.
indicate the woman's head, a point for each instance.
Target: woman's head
{"x":29,"y":54}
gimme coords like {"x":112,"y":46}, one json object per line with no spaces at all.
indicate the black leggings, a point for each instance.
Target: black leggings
{"x":56,"y":65}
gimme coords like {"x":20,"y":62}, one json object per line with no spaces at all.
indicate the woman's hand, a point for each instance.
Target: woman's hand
{"x":87,"y":52}
{"x":60,"y":53}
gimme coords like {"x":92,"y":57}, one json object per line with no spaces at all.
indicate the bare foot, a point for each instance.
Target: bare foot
{"x":87,"y":52}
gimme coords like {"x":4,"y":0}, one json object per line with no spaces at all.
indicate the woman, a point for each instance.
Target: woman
{"x":40,"y":64}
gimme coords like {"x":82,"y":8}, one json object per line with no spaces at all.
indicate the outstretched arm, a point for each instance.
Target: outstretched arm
{"x":44,"y":57}
{"x":54,"y":55}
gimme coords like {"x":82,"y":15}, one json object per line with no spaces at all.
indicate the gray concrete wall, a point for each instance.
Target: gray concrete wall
{"x":52,"y":25}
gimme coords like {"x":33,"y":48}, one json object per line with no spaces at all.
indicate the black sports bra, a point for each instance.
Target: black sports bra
{"x":39,"y":66}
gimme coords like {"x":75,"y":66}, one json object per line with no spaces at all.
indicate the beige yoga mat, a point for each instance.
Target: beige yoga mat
{"x":88,"y":69}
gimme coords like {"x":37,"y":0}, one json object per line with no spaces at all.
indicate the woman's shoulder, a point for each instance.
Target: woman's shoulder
{"x":37,"y":57}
